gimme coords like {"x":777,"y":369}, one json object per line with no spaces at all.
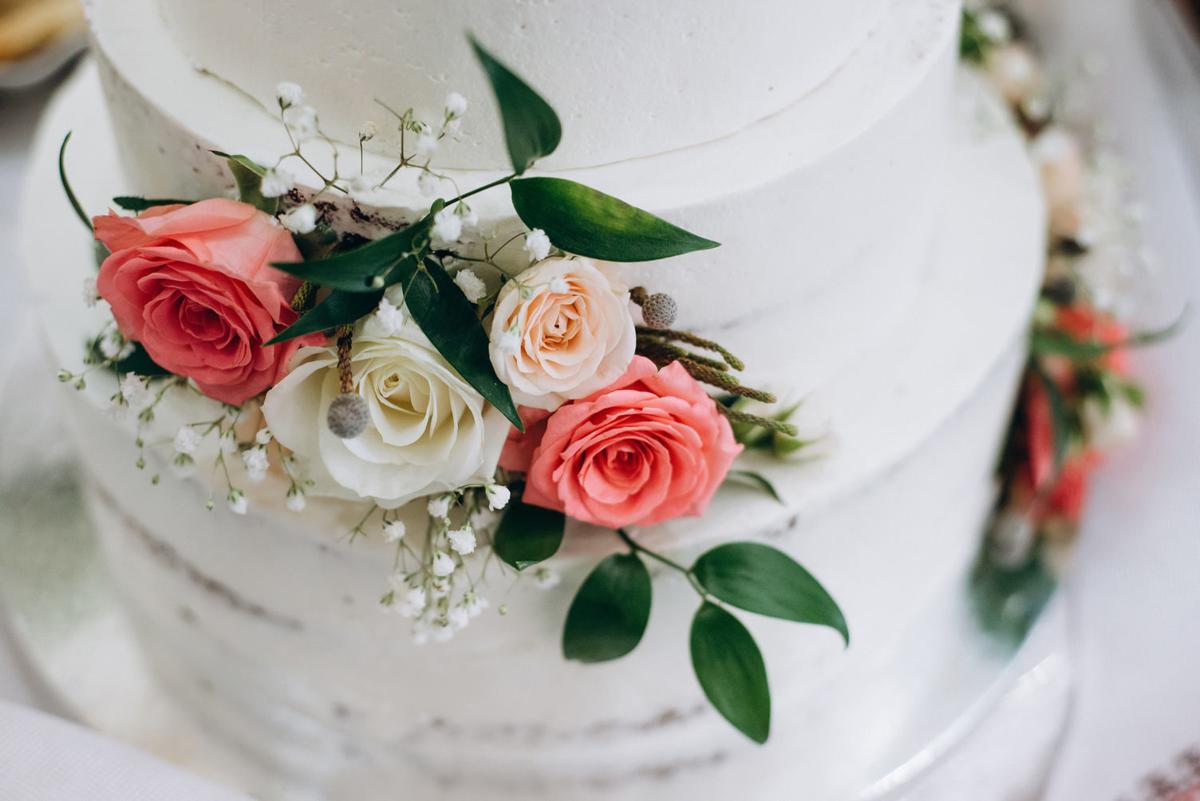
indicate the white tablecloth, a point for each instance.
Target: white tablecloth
{"x":1135,"y":587}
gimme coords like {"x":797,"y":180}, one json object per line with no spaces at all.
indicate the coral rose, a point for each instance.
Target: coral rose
{"x":1086,"y":324}
{"x":649,"y":448}
{"x":194,"y":285}
{"x":561,"y":330}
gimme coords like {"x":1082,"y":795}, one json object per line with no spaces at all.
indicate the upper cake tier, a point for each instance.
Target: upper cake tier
{"x":630,"y":78}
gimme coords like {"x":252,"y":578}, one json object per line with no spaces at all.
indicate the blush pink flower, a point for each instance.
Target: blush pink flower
{"x":195,"y":286}
{"x":649,"y":448}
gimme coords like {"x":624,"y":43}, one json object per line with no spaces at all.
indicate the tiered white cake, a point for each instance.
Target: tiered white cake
{"x":882,"y":237}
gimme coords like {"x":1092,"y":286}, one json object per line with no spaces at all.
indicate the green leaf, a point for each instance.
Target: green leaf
{"x":609,"y":614}
{"x":764,"y":580}
{"x":531,"y":128}
{"x":140,"y":362}
{"x":528,"y":535}
{"x":756,"y":480}
{"x":587,"y":222}
{"x":731,"y":672}
{"x":140,"y":204}
{"x":248,"y":175}
{"x":340,"y":308}
{"x":1060,"y":416}
{"x":369,"y":268}
{"x":449,"y":320}
{"x":66,"y":184}
{"x":1059,"y":343}
{"x":319,"y":243}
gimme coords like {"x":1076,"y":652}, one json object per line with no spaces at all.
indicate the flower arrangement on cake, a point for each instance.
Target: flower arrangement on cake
{"x":507,"y":390}
{"x":1077,"y":400}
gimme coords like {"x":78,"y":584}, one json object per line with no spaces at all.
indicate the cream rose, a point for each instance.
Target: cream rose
{"x":561,"y":330}
{"x":430,"y":431}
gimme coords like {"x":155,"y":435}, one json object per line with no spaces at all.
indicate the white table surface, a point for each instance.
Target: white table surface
{"x":1135,"y":587}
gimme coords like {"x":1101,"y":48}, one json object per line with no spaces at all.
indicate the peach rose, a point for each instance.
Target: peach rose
{"x":194,"y":285}
{"x":1064,"y":173}
{"x":561,"y":330}
{"x":649,"y":448}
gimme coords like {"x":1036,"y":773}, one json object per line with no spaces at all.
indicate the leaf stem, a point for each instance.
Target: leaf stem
{"x":485,"y":187}
{"x":638,"y":548}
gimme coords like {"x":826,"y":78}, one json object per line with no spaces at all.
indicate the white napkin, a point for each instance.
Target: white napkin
{"x":47,"y":759}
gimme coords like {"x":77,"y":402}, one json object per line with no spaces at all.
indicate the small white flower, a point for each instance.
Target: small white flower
{"x":388,"y":319}
{"x":136,"y":392}
{"x":469,"y":216}
{"x":447,"y":226}
{"x":186,"y":441}
{"x":443,"y":564}
{"x":427,"y":144}
{"x":462,"y":540}
{"x":471,"y":285}
{"x":277,"y":182}
{"x":1110,"y":426}
{"x":256,"y":463}
{"x":296,"y":500}
{"x":438,"y":506}
{"x":302,"y":121}
{"x":456,"y":105}
{"x":443,"y":632}
{"x":458,"y":618}
{"x":361,"y":186}
{"x":994,"y":25}
{"x":183,"y":466}
{"x":300,"y":220}
{"x":416,"y":598}
{"x":111,"y":344}
{"x":263,"y":437}
{"x":1012,"y":538}
{"x":427,"y":183}
{"x":537,"y":244}
{"x":421,"y":632}
{"x":237,"y":501}
{"x":368,"y":130}
{"x":476,"y":604}
{"x":546,"y":579}
{"x":394,"y":530}
{"x":289,"y":94}
{"x":228,"y":442}
{"x":559,"y":286}
{"x":498,"y":496}
{"x":91,"y":296}
{"x":439,"y":587}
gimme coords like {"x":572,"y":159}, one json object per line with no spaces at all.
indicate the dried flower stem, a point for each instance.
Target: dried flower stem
{"x":344,"y":343}
{"x":777,"y":426}
{"x":688,"y":338}
{"x":303,"y":296}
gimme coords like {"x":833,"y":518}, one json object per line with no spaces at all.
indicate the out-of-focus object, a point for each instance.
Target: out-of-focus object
{"x":1173,"y":31}
{"x":37,"y":37}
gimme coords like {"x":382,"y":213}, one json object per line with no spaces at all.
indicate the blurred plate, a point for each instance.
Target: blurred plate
{"x":44,"y":63}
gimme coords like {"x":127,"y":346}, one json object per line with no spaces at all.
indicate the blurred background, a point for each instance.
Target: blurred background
{"x":1134,"y":591}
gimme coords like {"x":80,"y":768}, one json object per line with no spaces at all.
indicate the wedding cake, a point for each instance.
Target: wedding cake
{"x":882,"y":237}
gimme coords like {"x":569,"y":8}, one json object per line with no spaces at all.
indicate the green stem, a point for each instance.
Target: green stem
{"x":66,"y":185}
{"x":485,"y":187}
{"x":638,"y":548}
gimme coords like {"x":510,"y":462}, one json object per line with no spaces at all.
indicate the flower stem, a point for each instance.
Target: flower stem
{"x":478,"y":189}
{"x":638,"y":548}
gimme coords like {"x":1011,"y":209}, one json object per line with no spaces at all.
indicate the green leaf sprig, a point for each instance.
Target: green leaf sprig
{"x":612,"y":608}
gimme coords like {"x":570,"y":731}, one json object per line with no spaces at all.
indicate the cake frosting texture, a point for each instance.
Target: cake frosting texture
{"x":882,"y":240}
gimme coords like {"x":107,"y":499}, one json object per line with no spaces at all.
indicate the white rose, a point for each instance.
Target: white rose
{"x":550,"y":347}
{"x":1014,"y":72}
{"x":430,"y":431}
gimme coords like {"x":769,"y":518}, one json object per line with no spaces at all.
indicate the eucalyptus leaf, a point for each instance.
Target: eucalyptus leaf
{"x":340,"y":308}
{"x":765,"y":580}
{"x":608,"y":617}
{"x":531,"y":128}
{"x":66,"y":183}
{"x":528,"y":535}
{"x":140,"y":204}
{"x":248,"y":176}
{"x":587,"y":222}
{"x":757,"y":480}
{"x":731,"y":672}
{"x":449,"y":320}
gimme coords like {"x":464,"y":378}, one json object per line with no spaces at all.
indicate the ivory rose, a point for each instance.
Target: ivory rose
{"x":561,"y":330}
{"x":194,"y":285}
{"x":648,"y":448}
{"x":429,"y":430}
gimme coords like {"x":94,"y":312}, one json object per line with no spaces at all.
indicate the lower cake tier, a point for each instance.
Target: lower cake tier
{"x":266,"y":627}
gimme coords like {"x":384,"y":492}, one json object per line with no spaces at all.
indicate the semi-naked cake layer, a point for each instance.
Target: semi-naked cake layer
{"x":266,"y":626}
{"x":629,"y":78}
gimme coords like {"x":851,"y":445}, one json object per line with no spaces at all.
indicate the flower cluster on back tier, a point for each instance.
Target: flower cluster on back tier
{"x":504,"y":395}
{"x":1078,"y":400}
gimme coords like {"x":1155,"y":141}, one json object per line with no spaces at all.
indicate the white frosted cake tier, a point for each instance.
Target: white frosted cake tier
{"x":824,"y":210}
{"x":266,"y":626}
{"x":629,"y":78}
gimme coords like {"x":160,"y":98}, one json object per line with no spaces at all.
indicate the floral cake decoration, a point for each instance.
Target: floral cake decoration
{"x":409,"y":367}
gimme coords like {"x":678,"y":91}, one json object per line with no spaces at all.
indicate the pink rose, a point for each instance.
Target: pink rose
{"x":649,"y":448}
{"x":194,"y":285}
